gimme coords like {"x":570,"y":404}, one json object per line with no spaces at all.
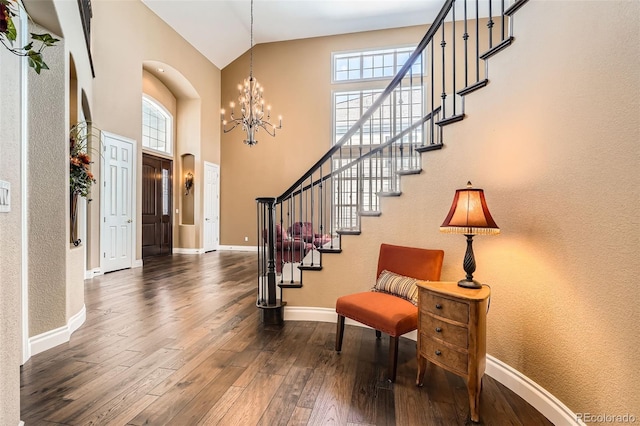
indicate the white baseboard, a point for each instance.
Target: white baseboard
{"x":21,"y":423}
{"x":538,"y":397}
{"x":188,"y":250}
{"x":92,"y":273}
{"x":58,"y":336}
{"x":238,"y":248}
{"x":137,"y":263}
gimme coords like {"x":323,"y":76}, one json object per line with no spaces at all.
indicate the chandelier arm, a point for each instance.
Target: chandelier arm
{"x":235,"y":124}
{"x":269,"y":128}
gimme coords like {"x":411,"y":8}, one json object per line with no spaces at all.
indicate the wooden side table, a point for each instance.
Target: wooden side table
{"x":452,"y":323}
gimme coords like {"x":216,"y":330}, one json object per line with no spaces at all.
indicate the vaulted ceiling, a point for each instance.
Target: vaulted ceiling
{"x":220,"y":29}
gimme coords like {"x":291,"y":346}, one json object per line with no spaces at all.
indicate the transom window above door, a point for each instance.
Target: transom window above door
{"x":157,"y":127}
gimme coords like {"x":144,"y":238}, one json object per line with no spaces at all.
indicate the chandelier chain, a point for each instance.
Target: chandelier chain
{"x":251,"y":45}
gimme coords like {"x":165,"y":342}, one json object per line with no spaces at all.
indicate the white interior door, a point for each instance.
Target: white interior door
{"x":211,"y":206}
{"x":118,"y":207}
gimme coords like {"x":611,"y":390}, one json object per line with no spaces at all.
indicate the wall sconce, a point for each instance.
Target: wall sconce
{"x":188,"y":182}
{"x":469,"y":215}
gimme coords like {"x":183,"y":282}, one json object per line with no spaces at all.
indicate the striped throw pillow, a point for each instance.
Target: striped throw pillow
{"x":398,"y":285}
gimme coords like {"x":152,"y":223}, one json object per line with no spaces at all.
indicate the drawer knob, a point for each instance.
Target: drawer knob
{"x":438,"y":306}
{"x":438,"y":353}
{"x":438,"y":330}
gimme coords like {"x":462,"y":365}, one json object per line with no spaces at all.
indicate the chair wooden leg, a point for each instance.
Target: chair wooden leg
{"x":339,"y":333}
{"x":393,"y":357}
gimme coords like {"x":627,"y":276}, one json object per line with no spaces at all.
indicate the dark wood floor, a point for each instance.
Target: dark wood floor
{"x":180,"y":342}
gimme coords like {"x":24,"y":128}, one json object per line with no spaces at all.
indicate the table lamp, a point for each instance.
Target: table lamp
{"x":469,"y":215}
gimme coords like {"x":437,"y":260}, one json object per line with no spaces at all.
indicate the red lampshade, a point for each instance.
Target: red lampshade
{"x":469,"y":214}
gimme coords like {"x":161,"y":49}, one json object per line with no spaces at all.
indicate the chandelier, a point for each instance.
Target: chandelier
{"x":251,"y":103}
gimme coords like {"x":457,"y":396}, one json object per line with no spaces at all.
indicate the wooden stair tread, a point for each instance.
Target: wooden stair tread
{"x":473,"y":87}
{"x":497,"y":48}
{"x":294,"y":284}
{"x":348,"y":232}
{"x":327,"y":250}
{"x":370,"y":213}
{"x":450,"y":120}
{"x":406,"y":172}
{"x":430,"y":147}
{"x":310,"y":267}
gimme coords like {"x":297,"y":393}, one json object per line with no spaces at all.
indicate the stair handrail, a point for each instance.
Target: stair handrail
{"x":367,"y":154}
{"x":428,"y":37}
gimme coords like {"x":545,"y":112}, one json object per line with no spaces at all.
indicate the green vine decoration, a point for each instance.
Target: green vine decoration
{"x":8,"y":35}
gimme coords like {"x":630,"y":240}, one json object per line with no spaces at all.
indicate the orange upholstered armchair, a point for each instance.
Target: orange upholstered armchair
{"x":391,"y":307}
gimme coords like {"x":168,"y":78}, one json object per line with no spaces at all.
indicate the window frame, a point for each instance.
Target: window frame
{"x":395,"y":50}
{"x":169,"y":119}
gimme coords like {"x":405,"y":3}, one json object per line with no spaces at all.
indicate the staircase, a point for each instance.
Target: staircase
{"x":389,"y":140}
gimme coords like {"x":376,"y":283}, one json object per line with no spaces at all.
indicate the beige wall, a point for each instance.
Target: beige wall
{"x":193,"y":80}
{"x":54,"y":291}
{"x":48,"y":199}
{"x":11,"y":237}
{"x":553,"y":140}
{"x":296,"y":76}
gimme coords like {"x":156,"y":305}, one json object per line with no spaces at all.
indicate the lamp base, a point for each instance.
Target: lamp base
{"x":469,"y":284}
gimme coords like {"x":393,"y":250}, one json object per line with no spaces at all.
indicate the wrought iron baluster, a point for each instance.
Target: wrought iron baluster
{"x":477,"y":42}
{"x":453,"y":55}
{"x":370,"y":171}
{"x":312,"y":222}
{"x":423,"y":95}
{"x":333,"y":202}
{"x":443,"y":44}
{"x":465,"y":37}
{"x":490,"y":24}
{"x":433,"y":89}
{"x":502,"y":28}
{"x":262,"y":255}
{"x":399,"y":123}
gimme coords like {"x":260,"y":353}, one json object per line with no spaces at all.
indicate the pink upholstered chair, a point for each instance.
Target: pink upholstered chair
{"x":386,"y":312}
{"x":288,"y":249}
{"x":304,"y":231}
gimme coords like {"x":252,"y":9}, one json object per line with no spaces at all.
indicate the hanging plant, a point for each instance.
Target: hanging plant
{"x":8,"y":35}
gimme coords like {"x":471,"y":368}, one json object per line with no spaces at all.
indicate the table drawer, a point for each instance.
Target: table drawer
{"x":436,"y":352}
{"x":443,"y":307}
{"x":454,"y":334}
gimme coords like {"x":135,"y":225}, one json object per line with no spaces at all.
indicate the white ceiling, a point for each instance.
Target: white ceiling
{"x":220,"y":29}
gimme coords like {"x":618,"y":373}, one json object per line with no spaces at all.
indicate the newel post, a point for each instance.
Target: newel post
{"x":272,"y":307}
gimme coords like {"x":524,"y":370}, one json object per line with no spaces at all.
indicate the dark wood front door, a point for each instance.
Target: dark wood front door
{"x":156,"y":206}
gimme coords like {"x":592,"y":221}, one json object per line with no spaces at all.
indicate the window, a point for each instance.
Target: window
{"x":157,"y":127}
{"x":372,"y":64}
{"x":368,"y":71}
{"x":406,"y":103}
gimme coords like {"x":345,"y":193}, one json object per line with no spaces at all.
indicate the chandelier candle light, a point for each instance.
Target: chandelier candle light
{"x":251,"y":103}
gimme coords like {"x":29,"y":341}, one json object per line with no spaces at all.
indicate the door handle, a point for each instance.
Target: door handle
{"x":129,"y":221}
